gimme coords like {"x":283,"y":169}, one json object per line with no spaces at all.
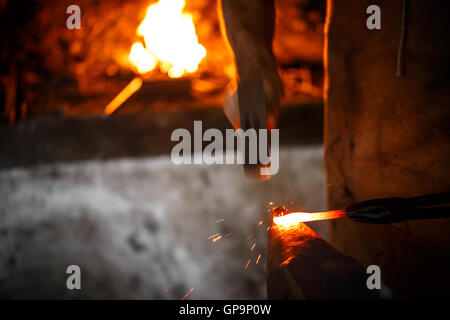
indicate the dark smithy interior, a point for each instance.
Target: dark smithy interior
{"x":90,"y":97}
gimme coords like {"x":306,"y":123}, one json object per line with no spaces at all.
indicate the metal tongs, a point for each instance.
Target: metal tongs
{"x":389,"y":210}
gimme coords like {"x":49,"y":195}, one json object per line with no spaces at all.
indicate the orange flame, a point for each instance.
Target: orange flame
{"x":170,"y":41}
{"x":293,"y":218}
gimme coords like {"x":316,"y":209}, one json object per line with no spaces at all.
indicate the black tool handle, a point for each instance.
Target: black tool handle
{"x":390,"y":210}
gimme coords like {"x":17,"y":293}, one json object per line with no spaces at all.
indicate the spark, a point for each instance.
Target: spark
{"x":248,"y":262}
{"x":221,"y":220}
{"x":228,"y":234}
{"x":259,"y":257}
{"x":216,"y":239}
{"x":268,"y":228}
{"x":167,"y":289}
{"x":260,"y":223}
{"x":186,"y":295}
{"x":253,"y":247}
{"x":214,"y":235}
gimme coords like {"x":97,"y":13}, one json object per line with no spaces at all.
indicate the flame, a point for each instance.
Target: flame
{"x":141,"y":58}
{"x":293,"y":218}
{"x":170,"y":41}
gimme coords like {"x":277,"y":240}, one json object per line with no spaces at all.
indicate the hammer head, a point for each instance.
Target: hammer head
{"x":247,"y":108}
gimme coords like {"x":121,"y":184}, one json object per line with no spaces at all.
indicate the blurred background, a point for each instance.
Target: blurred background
{"x":82,"y":186}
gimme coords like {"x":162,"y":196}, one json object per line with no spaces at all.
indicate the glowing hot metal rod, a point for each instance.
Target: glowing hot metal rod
{"x":281,"y":216}
{"x":377,"y":211}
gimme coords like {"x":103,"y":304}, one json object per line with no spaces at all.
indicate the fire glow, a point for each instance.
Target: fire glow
{"x":292,"y":218}
{"x":170,"y":41}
